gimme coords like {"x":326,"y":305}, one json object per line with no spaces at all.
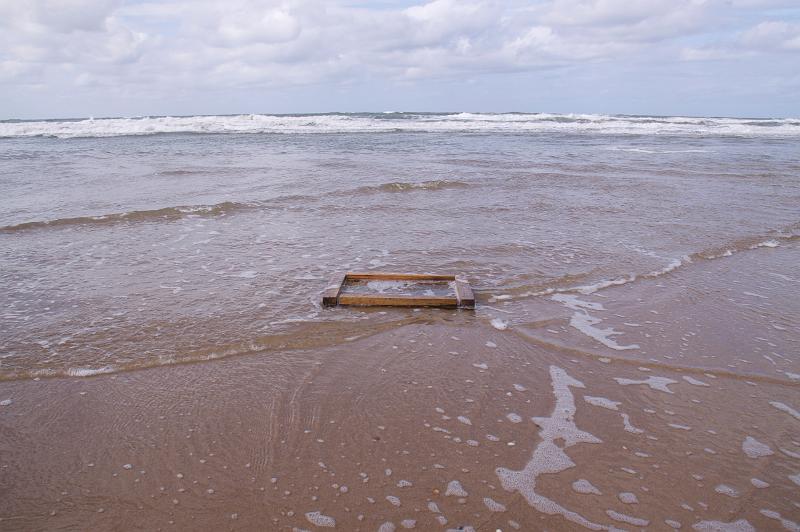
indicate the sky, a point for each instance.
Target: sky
{"x":80,"y":58}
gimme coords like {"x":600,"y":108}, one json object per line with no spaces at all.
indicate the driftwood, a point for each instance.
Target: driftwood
{"x":335,"y":293}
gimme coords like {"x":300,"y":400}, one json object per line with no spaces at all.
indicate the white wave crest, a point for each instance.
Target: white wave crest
{"x":90,"y":372}
{"x":406,"y":122}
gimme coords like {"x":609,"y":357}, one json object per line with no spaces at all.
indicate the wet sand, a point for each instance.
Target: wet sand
{"x":374,"y":430}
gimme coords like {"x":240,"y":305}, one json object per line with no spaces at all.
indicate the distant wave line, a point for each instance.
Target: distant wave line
{"x":519,"y":123}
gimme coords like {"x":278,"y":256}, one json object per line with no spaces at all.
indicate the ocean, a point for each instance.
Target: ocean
{"x":170,"y":269}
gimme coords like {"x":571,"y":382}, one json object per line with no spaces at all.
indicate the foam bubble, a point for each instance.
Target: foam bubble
{"x":623,"y":518}
{"x":767,"y":244}
{"x":602,"y":402}
{"x":514,"y":418}
{"x":455,"y":489}
{"x":318,"y":519}
{"x":585,"y":322}
{"x":790,"y":454}
{"x":626,"y":421}
{"x":585,"y":487}
{"x":628,"y":497}
{"x":89,"y":372}
{"x":493,"y":505}
{"x":573,"y":303}
{"x":656,"y":383}
{"x":786,"y":408}
{"x":755,"y":449}
{"x":499,"y":324}
{"x":785,"y":523}
{"x":724,"y":489}
{"x":694,"y":381}
{"x":742,"y":525}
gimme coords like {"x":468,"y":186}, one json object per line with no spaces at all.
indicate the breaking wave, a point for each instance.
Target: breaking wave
{"x":225,"y":208}
{"x":405,"y":122}
{"x":772,"y":240}
{"x":151,"y":215}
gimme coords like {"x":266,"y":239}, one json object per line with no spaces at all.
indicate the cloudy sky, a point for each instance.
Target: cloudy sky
{"x":76,"y":58}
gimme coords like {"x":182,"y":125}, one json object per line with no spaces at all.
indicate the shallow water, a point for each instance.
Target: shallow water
{"x":650,"y":260}
{"x":134,"y":251}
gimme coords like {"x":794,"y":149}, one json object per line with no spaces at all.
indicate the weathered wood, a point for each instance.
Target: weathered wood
{"x":398,"y":301}
{"x":336,"y":294}
{"x":400,"y":276}
{"x":466,"y":299}
{"x":330,"y":297}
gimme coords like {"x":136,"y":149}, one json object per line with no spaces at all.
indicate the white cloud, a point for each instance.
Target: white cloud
{"x":772,"y":35}
{"x":162,"y":47}
{"x":765,"y":38}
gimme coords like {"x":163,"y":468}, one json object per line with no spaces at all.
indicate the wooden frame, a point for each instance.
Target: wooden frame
{"x":333,"y":294}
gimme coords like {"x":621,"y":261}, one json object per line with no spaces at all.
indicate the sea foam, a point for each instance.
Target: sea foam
{"x":548,"y":456}
{"x":407,"y":122}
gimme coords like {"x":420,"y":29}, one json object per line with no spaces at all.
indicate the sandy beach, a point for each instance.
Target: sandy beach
{"x":378,"y":430}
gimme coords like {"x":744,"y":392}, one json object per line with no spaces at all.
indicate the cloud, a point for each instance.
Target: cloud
{"x":772,"y":36}
{"x":162,"y":47}
{"x":765,"y":38}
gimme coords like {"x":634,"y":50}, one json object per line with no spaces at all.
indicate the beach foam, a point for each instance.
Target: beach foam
{"x":585,"y":322}
{"x":787,"y":524}
{"x":549,"y":457}
{"x":755,"y":449}
{"x":656,"y":383}
{"x":602,"y":402}
{"x":318,"y":519}
{"x":742,"y":525}
{"x":585,"y":487}
{"x":786,"y":408}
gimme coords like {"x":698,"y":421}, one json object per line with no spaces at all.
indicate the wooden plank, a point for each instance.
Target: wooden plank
{"x":466,"y":299}
{"x":400,"y":276}
{"x":397,"y":301}
{"x":330,"y":297}
{"x":336,"y":294}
